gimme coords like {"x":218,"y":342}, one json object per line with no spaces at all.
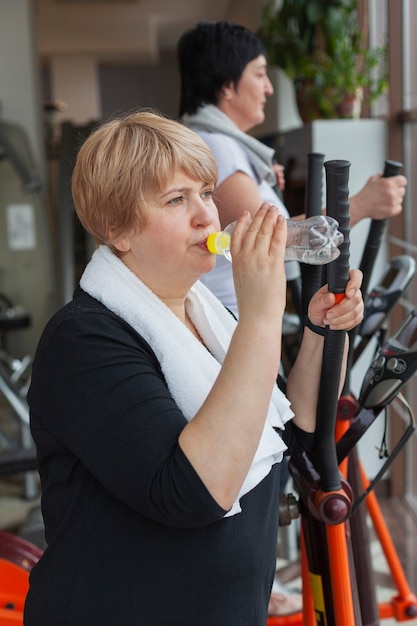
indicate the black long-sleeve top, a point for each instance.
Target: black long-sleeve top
{"x":134,"y":537}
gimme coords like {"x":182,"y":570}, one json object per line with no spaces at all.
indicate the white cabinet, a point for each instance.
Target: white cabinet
{"x":362,"y":142}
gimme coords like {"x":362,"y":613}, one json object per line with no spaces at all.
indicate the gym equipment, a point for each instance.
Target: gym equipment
{"x":17,"y":454}
{"x":17,"y":557}
{"x":338,"y":586}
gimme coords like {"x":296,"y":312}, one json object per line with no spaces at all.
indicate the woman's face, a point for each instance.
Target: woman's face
{"x":245,"y":102}
{"x":169,"y":253}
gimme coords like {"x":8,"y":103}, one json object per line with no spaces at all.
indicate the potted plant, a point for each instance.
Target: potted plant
{"x":322,"y":47}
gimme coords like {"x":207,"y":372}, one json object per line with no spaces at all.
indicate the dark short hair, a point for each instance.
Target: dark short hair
{"x":211,"y":55}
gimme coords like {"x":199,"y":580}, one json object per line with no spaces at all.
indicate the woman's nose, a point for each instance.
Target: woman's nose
{"x":203,"y":214}
{"x":269,"y":90}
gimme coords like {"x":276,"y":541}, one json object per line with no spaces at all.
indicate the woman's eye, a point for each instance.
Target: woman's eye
{"x":175,"y":200}
{"x":208,"y":194}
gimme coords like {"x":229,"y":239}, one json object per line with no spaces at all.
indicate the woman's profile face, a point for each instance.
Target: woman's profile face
{"x":169,"y":253}
{"x":247,"y":98}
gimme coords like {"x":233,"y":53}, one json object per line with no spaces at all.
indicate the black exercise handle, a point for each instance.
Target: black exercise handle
{"x":337,"y":202}
{"x":376,"y":233}
{"x":337,"y":190}
{"x":392,"y":168}
{"x":325,"y":445}
{"x":370,"y":252}
{"x":314,"y":184}
{"x":312,"y":276}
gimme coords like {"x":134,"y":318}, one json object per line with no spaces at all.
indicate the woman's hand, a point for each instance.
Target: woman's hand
{"x":344,"y":315}
{"x":258,"y":249}
{"x":380,"y":198}
{"x":280,"y":174}
{"x":304,"y":378}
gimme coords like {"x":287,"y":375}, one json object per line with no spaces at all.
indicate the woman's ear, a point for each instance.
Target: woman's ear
{"x":227,"y":90}
{"x":121,"y":244}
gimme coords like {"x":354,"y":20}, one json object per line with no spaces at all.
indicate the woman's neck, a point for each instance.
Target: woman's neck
{"x":230,"y":113}
{"x":177,"y":306}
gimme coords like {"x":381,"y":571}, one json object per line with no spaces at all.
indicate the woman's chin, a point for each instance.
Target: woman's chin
{"x":208,"y":266}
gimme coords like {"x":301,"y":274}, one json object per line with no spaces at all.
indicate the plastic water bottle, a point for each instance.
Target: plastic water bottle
{"x":314,"y":241}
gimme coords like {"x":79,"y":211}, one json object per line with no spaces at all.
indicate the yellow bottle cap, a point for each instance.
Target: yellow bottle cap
{"x":217,"y":243}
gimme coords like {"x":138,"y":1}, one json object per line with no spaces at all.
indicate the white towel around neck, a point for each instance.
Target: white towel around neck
{"x":189,"y":368}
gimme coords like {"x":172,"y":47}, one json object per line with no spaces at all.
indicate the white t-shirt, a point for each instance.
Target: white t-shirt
{"x":231,"y":158}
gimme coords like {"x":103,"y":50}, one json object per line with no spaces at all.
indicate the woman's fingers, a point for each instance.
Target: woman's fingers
{"x":348,"y":313}
{"x":342,"y":315}
{"x":258,"y":264}
{"x":265,"y":234}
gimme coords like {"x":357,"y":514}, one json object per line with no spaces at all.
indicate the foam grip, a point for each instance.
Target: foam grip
{"x":337,"y":202}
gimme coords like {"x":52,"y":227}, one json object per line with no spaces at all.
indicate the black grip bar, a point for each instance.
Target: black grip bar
{"x":312,"y":276}
{"x":337,"y":178}
{"x":370,"y":252}
{"x":314,"y":184}
{"x":337,"y":202}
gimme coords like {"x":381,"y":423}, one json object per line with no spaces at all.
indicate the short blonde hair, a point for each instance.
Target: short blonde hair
{"x":124,"y":159}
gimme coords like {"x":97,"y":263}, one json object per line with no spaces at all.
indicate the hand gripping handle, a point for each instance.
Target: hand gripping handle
{"x":376,"y":232}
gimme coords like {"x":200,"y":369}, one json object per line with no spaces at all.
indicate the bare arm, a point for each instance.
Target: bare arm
{"x":221,"y":440}
{"x":237,"y":194}
{"x":304,"y":378}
